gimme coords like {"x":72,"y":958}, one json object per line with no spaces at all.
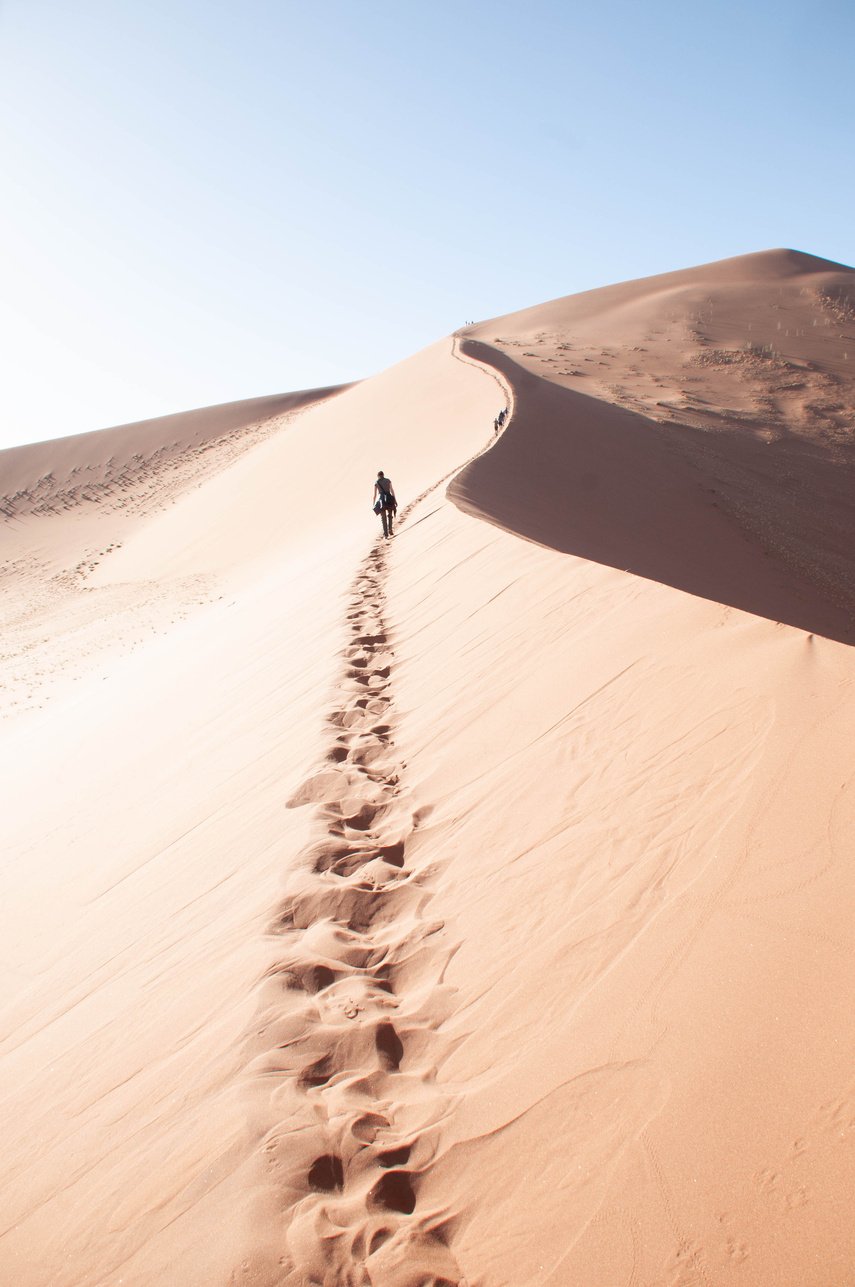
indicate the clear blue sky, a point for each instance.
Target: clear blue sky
{"x":206,"y":201}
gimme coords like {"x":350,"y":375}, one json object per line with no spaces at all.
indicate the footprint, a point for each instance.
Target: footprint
{"x":394,"y":1192}
{"x":350,"y":864}
{"x":364,"y":817}
{"x":311,"y":979}
{"x":768,"y":1181}
{"x":366,"y":1127}
{"x":318,"y":789}
{"x":326,"y":1174}
{"x":378,"y":1238}
{"x":389,"y":1046}
{"x":316,"y":1074}
{"x":395,"y":1156}
{"x":323,"y":856}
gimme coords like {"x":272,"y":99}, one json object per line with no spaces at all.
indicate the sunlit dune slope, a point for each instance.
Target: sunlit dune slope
{"x":470,"y":909}
{"x":48,"y":477}
{"x":172,"y":692}
{"x":67,"y":505}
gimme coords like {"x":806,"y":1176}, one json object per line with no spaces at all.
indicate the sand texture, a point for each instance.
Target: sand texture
{"x":471,"y":909}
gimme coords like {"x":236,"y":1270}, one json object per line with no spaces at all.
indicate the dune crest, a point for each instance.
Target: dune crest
{"x":694,"y":428}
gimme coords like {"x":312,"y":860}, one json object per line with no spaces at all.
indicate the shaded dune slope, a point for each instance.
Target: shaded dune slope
{"x":739,"y":484}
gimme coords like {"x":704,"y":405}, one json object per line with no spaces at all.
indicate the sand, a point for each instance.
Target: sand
{"x":468,"y":908}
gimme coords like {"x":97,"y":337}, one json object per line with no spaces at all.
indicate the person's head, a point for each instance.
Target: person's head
{"x":379,"y":473}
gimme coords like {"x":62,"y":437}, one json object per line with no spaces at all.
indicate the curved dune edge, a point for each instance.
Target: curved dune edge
{"x":693,"y":428}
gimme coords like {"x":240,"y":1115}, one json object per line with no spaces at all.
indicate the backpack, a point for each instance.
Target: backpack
{"x":385,"y":500}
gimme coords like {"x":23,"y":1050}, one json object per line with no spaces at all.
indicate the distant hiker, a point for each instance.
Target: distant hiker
{"x":501,"y":416}
{"x":496,"y":423}
{"x":385,"y":503}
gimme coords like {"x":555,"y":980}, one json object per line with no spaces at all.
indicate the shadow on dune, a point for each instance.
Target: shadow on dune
{"x":705,"y":513}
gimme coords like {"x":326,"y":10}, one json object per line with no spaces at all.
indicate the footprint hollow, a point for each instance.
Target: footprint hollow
{"x":326,"y":1173}
{"x":389,"y":1046}
{"x":394,"y":1192}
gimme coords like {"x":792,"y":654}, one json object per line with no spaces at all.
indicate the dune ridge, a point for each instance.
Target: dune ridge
{"x":46,"y":477}
{"x":106,"y":485}
{"x":354,"y":1000}
{"x":712,"y":451}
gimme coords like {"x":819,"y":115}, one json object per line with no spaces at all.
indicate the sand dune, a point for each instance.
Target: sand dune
{"x":471,"y":908}
{"x":97,"y":489}
{"x":729,"y":473}
{"x":46,"y":477}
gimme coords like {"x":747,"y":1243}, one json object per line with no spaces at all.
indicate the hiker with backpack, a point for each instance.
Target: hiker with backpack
{"x":385,"y":503}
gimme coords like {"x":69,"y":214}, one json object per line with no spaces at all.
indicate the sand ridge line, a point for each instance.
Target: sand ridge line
{"x":172,"y":453}
{"x":458,"y":340}
{"x":508,"y":395}
{"x":347,"y":1043}
{"x":143,"y":484}
{"x":56,"y":621}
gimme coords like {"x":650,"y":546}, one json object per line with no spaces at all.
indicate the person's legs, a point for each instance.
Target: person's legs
{"x":391,"y":514}
{"x":385,"y":515}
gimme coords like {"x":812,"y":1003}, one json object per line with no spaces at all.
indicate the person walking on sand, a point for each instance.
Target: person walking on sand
{"x":385,"y":502}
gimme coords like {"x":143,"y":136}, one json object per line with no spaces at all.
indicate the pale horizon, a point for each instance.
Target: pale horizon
{"x":209,"y":207}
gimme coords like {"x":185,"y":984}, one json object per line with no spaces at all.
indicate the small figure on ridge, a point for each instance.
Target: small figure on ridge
{"x":385,"y":502}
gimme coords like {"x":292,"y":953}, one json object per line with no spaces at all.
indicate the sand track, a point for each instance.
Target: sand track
{"x":347,"y":1039}
{"x":356,"y":962}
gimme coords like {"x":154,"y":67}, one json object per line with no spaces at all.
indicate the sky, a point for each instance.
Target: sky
{"x":206,"y":201}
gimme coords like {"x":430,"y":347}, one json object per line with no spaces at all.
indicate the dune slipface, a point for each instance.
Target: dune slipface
{"x":471,"y":908}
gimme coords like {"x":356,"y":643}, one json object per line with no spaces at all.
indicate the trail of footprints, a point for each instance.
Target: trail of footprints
{"x":347,"y":1042}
